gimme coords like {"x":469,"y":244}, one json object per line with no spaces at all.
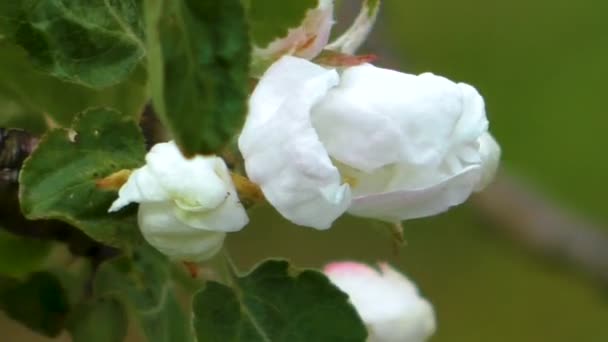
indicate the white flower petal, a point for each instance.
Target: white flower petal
{"x":387,"y":302}
{"x":276,"y":87}
{"x":472,"y":122}
{"x":318,"y":24}
{"x":230,"y":216}
{"x":377,"y":117}
{"x":142,"y":186}
{"x":281,"y":148}
{"x":192,"y":183}
{"x":356,"y":135}
{"x":398,"y":205}
{"x":172,"y":237}
{"x":490,"y":157}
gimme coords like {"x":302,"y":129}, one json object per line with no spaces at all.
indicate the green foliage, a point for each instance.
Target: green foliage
{"x":58,"y":181}
{"x":143,"y":282}
{"x":276,"y":303}
{"x":20,"y":256}
{"x":271,"y":19}
{"x":38,"y":302}
{"x":25,"y":88}
{"x":198,"y":67}
{"x":96,"y":43}
{"x":103,"y":320}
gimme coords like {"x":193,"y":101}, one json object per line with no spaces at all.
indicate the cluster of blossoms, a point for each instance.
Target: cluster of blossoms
{"x":323,"y":141}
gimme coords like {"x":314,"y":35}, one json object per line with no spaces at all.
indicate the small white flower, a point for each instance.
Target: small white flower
{"x":387,"y":302}
{"x":306,"y":40}
{"x":376,"y":142}
{"x":186,"y":205}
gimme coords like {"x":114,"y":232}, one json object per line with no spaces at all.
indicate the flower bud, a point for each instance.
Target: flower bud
{"x":186,"y":205}
{"x":374,"y":142}
{"x":387,"y":302}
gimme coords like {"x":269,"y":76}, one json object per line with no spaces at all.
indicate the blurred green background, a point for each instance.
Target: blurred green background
{"x":542,"y":67}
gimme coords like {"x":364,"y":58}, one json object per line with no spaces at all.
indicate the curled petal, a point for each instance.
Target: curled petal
{"x":172,"y":237}
{"x":142,"y":186}
{"x":192,"y":183}
{"x":490,"y":158}
{"x":473,"y":121}
{"x":377,"y":117}
{"x":281,"y":148}
{"x":229,"y":216}
{"x":399,"y":205}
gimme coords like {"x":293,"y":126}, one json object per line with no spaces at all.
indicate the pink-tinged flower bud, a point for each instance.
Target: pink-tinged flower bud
{"x":389,"y":304}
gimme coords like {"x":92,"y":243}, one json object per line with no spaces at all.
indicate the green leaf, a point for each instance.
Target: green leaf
{"x":271,"y":19}
{"x":35,"y":92}
{"x":144,"y":284}
{"x":276,"y":303}
{"x":96,"y":43}
{"x":58,"y":180}
{"x":198,"y":66}
{"x":103,"y":320}
{"x":20,"y":256}
{"x":39,"y":302}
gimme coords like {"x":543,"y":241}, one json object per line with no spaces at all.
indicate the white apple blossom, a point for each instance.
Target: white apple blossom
{"x":374,"y":142}
{"x":306,"y":40}
{"x":186,"y":205}
{"x":387,"y":302}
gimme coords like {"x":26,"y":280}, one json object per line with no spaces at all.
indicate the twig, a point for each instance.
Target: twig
{"x":15,"y":146}
{"x":544,"y":227}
